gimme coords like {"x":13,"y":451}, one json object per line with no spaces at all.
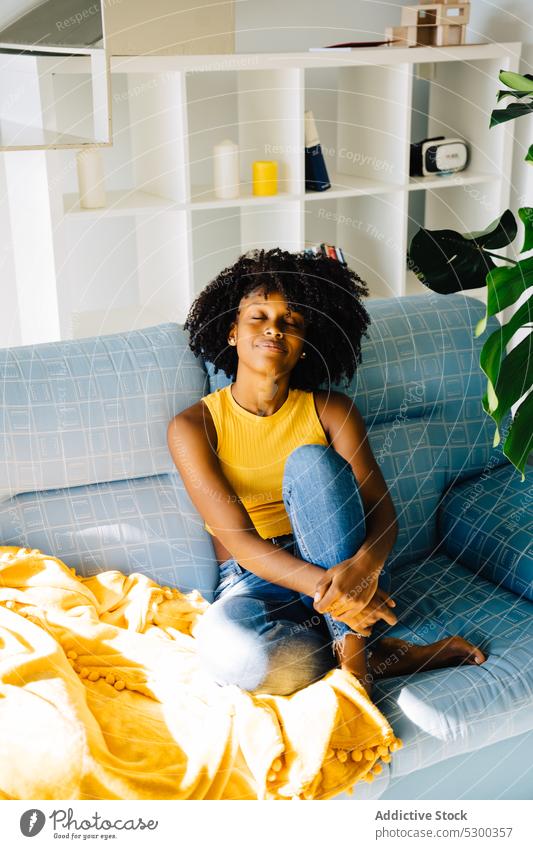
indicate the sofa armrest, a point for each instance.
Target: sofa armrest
{"x":486,"y":523}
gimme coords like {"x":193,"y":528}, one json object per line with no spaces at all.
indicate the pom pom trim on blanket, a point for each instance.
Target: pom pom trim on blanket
{"x":102,"y":696}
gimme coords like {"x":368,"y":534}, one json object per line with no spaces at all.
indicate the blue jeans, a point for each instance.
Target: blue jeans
{"x":267,"y":638}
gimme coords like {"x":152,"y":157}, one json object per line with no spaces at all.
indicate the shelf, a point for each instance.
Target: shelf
{"x":342,"y":185}
{"x":462,"y":178}
{"x":370,"y":231}
{"x":347,"y":185}
{"x":461,"y":99}
{"x":268,"y":61}
{"x":219,"y":235}
{"x":362,"y":117}
{"x":203,"y":197}
{"x":258,"y":110}
{"x":24,"y":137}
{"x":464,"y":207}
{"x":135,"y":202}
{"x":43,"y":108}
{"x":120,"y":203}
{"x":160,"y":240}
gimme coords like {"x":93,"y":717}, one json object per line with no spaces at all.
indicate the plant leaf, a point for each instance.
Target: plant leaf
{"x":521,"y":82}
{"x":499,"y":233}
{"x":492,"y":350}
{"x":512,"y":93}
{"x":504,"y":286}
{"x":526,"y":217}
{"x":519,"y":441}
{"x":447,"y":261}
{"x":529,"y":154}
{"x":512,"y":111}
{"x":514,"y":379}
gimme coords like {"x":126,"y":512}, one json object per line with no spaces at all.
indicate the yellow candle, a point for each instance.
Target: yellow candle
{"x":265,"y":177}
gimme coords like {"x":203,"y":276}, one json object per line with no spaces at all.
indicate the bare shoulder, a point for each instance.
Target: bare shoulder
{"x":333,"y":408}
{"x":330,"y":403}
{"x":196,"y":418}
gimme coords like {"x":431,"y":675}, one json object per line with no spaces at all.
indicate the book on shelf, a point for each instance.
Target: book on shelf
{"x":353,"y":45}
{"x":330,"y":251}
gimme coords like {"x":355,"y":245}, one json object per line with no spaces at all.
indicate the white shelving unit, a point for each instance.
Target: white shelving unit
{"x":163,"y":235}
{"x":56,"y":95}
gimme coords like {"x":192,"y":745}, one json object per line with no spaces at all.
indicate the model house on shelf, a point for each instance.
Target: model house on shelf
{"x":431,"y":24}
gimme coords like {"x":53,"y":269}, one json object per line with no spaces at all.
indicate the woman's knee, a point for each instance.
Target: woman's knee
{"x":236,"y":646}
{"x":324,"y":504}
{"x":302,"y":459}
{"x":312,"y":469}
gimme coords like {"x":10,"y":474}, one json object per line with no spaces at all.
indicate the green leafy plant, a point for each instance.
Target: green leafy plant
{"x":447,"y":261}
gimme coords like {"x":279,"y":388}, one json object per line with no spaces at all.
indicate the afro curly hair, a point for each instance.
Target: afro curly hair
{"x":326,"y":292}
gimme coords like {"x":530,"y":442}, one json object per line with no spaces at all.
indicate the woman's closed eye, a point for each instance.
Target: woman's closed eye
{"x":260,"y":317}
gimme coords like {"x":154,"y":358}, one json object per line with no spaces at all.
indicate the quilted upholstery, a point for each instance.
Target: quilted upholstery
{"x":84,"y":455}
{"x":97,"y":409}
{"x":487,"y":524}
{"x":443,"y":712}
{"x":146,"y":524}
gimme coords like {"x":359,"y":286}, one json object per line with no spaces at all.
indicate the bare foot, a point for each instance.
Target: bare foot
{"x":391,"y":656}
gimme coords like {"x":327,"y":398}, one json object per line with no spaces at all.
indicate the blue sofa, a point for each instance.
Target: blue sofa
{"x":85,"y":474}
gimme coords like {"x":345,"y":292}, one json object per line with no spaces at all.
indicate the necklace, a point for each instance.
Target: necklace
{"x":259,"y":411}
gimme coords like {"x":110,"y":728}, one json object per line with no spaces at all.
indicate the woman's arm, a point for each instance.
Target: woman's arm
{"x":191,"y":436}
{"x":355,"y":580}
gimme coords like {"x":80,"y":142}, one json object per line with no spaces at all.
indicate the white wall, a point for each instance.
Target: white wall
{"x":11,"y":10}
{"x":8,"y":292}
{"x":294,"y":25}
{"x":286,"y":25}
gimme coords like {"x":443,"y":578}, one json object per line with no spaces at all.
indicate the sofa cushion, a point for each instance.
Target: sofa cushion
{"x":487,"y":524}
{"x":445,"y":712}
{"x":91,"y":410}
{"x":146,"y":525}
{"x":426,"y":454}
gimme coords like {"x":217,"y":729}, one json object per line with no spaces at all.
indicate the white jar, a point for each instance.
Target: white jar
{"x":226,"y":170}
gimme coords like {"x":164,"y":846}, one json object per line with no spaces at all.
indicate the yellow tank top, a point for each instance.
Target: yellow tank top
{"x":252,"y":451}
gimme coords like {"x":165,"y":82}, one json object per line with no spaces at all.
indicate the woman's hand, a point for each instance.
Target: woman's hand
{"x":349,"y":586}
{"x":378,"y":608}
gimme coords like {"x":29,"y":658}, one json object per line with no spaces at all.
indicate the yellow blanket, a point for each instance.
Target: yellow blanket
{"x":102,"y":697}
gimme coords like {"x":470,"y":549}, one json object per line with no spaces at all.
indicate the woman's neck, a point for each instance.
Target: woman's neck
{"x":262,"y":397}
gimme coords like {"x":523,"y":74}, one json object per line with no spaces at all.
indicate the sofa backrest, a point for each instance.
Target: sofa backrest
{"x":85,"y":472}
